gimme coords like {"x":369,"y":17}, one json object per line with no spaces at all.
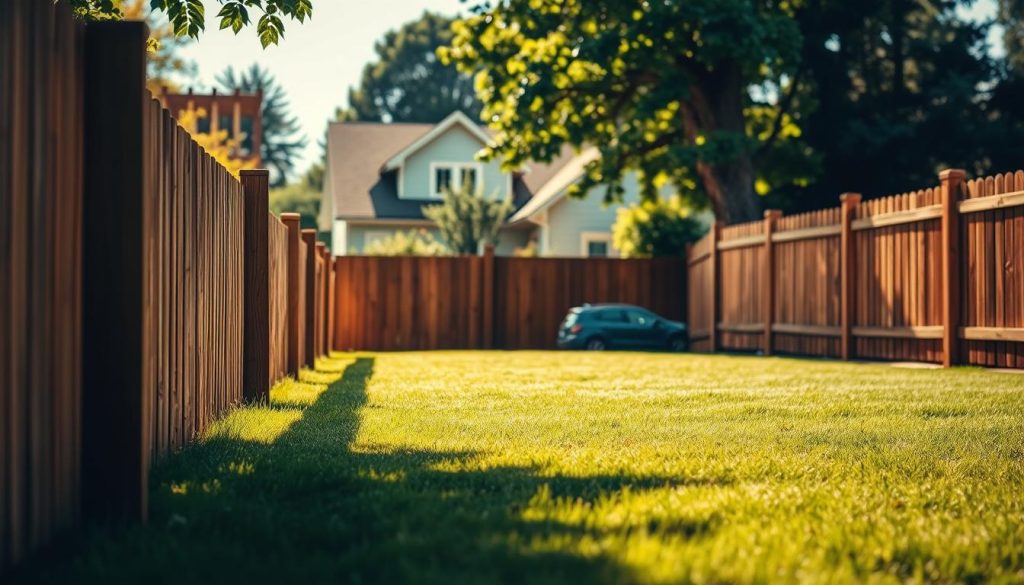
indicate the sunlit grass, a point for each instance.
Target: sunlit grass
{"x":562,"y":467}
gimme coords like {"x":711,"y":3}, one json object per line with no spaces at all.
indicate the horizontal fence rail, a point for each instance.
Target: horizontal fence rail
{"x":935,"y":275}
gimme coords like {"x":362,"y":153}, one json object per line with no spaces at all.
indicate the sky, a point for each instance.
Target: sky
{"x":318,"y":61}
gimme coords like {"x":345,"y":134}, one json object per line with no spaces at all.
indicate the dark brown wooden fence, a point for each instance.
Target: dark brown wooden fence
{"x":141,"y":281}
{"x":40,"y":273}
{"x":934,"y":275}
{"x":407,"y":303}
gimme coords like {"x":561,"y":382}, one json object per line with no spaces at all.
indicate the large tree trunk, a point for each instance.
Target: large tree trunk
{"x":716,"y":104}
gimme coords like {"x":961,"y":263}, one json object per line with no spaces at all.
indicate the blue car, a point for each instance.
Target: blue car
{"x":615,"y":326}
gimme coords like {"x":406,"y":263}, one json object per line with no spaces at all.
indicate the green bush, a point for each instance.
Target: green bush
{"x":662,"y":227}
{"x":410,"y":243}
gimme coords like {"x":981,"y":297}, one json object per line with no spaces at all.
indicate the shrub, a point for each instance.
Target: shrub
{"x":661,"y":227}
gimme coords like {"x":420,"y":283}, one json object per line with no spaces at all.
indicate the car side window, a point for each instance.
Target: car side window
{"x":639,"y":318}
{"x":610,"y":316}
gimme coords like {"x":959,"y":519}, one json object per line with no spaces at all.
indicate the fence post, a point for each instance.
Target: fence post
{"x":321,"y":304}
{"x":715,"y":237}
{"x":847,"y":271}
{"x":771,"y":216}
{"x":331,"y":291}
{"x":309,"y":240}
{"x":951,"y":179}
{"x":487,"y":290}
{"x":119,"y":240}
{"x":256,"y":292}
{"x":296,"y":276}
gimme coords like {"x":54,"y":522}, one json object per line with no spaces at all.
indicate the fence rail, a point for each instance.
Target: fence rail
{"x":933,"y":275}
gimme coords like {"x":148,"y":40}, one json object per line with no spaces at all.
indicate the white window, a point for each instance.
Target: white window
{"x":454,"y":176}
{"x":595,"y":244}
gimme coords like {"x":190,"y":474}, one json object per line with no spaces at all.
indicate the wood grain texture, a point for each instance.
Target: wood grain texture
{"x":441,"y":303}
{"x":257,"y":316}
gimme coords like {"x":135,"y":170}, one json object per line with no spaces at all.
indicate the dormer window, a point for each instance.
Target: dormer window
{"x":454,"y":176}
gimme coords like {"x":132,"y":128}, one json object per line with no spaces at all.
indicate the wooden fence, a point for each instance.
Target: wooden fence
{"x":409,"y":303}
{"x":40,"y":275}
{"x":145,"y":290}
{"x":934,"y":275}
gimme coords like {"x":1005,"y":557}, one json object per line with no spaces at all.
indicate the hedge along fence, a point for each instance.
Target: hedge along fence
{"x":140,"y":278}
{"x":933,"y":275}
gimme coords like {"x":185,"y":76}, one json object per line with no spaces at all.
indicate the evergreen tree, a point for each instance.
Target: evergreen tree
{"x":408,"y":83}
{"x":280,"y":143}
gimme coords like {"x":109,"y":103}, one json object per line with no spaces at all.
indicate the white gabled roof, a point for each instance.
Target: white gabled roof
{"x":456,"y":117}
{"x":554,"y":189}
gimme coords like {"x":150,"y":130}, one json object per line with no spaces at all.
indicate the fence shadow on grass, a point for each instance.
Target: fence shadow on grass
{"x":306,"y":507}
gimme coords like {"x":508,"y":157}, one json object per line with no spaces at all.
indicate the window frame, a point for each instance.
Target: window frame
{"x":586,"y":238}
{"x":456,"y":169}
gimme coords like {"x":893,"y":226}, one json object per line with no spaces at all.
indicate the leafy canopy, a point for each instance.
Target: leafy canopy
{"x":188,"y":17}
{"x":655,"y":228}
{"x":408,"y":83}
{"x":658,"y":87}
{"x":410,"y":243}
{"x":466,"y":220}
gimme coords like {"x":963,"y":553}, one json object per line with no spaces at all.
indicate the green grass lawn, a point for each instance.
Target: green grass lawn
{"x":547,"y":467}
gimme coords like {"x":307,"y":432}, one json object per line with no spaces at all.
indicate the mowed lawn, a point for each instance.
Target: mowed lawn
{"x":548,"y":467}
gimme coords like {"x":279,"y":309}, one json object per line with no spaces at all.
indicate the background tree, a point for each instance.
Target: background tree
{"x":466,"y":220}
{"x":407,"y":82}
{"x":217,"y":144}
{"x":188,"y":17}
{"x":655,"y":228}
{"x":165,"y":67}
{"x":659,"y":87}
{"x":891,"y":91}
{"x":280,"y":144}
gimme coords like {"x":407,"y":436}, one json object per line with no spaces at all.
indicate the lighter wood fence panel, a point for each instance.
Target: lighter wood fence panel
{"x":898,"y":279}
{"x":41,"y":184}
{"x":742,"y":278}
{"x":808,"y":285}
{"x":992,"y":272}
{"x":278,"y":298}
{"x":698,"y":297}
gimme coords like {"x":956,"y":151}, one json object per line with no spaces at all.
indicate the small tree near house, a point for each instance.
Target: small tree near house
{"x":466,"y":220}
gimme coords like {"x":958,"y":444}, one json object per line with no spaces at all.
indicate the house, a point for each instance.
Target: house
{"x":239,"y":114}
{"x":379,"y":177}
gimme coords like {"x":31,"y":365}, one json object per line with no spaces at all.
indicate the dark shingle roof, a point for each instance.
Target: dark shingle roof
{"x":357,"y":150}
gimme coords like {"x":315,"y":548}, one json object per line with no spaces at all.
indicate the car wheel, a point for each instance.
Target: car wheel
{"x":595,"y":344}
{"x":677,"y":344}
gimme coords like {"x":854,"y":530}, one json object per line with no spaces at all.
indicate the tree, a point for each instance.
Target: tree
{"x":894,"y":91}
{"x":1011,"y":17}
{"x":659,"y":87}
{"x":654,"y":228}
{"x":188,"y":17}
{"x":411,"y":243}
{"x":217,"y":144}
{"x":467,"y":220}
{"x":408,"y":83}
{"x":164,"y":64}
{"x":279,"y":145}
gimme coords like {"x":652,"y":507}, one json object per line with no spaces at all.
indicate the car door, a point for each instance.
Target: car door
{"x":612,"y":327}
{"x":642,"y":328}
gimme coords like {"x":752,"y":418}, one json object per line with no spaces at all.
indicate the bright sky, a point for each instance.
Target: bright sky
{"x":318,"y":61}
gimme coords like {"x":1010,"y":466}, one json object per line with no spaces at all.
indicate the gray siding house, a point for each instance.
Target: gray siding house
{"x":379,"y":177}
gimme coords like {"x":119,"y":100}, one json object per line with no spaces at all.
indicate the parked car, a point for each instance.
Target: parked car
{"x":616,"y":326}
